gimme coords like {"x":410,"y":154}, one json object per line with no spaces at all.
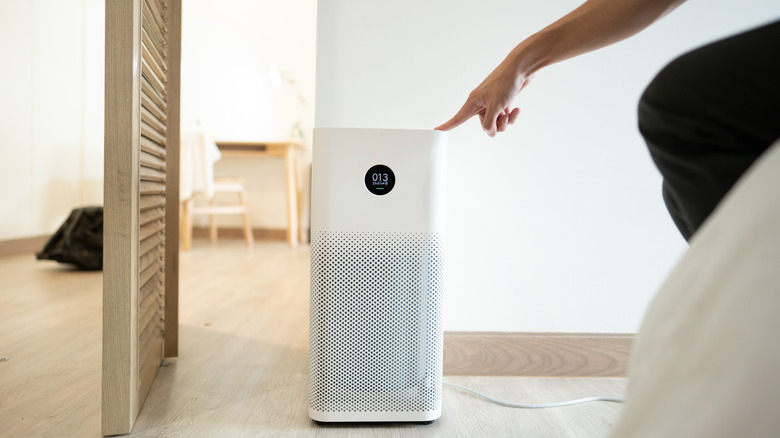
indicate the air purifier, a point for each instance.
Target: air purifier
{"x":377,"y":237}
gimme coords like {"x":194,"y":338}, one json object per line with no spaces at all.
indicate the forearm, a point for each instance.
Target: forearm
{"x":595,"y":24}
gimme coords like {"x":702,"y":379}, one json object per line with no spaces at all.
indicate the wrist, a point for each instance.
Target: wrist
{"x":528,"y":57}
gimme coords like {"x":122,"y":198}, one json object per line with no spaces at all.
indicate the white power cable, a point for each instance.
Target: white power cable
{"x":536,"y":406}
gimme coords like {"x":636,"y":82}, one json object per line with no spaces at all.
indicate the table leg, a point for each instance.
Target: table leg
{"x":301,"y":222}
{"x":186,"y":225}
{"x":292,"y":198}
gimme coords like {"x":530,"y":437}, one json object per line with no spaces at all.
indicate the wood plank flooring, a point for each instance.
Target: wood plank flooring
{"x":50,"y":333}
{"x":242,"y":366}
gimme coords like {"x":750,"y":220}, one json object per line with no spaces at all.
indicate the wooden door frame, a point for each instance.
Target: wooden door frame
{"x":172,"y":182}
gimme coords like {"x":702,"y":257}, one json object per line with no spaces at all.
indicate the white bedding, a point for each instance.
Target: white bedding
{"x":706,"y":362}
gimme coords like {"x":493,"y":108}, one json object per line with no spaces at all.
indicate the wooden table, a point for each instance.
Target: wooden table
{"x":276,"y":149}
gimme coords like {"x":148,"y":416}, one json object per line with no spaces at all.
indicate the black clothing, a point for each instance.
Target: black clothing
{"x":708,"y":116}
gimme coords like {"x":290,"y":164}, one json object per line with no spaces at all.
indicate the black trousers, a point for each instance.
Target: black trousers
{"x":708,"y":116}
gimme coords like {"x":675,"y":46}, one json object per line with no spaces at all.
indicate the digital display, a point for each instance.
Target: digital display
{"x":380,"y":180}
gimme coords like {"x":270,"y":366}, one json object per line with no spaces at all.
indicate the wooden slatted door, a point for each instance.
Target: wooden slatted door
{"x":140,"y":267}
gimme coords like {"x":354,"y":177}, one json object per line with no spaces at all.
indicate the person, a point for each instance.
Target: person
{"x":706,"y":117}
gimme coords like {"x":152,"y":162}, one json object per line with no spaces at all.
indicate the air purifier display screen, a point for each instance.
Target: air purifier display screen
{"x":380,"y":179}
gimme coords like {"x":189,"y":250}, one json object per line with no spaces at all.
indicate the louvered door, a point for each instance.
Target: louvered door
{"x":140,"y":290}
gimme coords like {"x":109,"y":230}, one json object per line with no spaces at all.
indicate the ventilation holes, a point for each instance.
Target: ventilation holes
{"x":375,"y":322}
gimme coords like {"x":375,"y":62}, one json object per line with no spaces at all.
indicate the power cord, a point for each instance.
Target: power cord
{"x":536,"y":406}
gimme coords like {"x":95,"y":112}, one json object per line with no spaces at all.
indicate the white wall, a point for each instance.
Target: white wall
{"x":557,"y":225}
{"x":227,"y":48}
{"x":51,"y":112}
{"x":51,"y":100}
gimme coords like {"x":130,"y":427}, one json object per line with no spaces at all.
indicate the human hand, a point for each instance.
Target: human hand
{"x":491,"y":100}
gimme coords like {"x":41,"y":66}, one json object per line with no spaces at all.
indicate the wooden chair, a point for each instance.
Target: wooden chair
{"x":221,"y":185}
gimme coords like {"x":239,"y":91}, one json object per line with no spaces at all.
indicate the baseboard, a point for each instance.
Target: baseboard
{"x":27,"y":245}
{"x":31,"y":245}
{"x":536,"y":354}
{"x":238,"y":233}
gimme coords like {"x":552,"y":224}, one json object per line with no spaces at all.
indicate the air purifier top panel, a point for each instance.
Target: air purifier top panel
{"x":378,"y":180}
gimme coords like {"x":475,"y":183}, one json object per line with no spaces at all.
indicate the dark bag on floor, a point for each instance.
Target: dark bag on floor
{"x":79,"y":240}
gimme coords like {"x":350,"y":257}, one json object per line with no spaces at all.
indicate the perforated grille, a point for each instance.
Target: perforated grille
{"x":375,"y":322}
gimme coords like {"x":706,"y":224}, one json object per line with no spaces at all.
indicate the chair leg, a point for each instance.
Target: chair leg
{"x":245,"y":218}
{"x":212,"y":222}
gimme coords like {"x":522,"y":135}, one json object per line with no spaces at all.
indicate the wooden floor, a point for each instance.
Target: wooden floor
{"x":242,"y":369}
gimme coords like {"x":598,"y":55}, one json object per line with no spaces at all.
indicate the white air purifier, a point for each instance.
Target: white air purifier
{"x":378,"y":224}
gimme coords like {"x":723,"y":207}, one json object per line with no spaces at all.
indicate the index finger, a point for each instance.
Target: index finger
{"x":466,"y":112}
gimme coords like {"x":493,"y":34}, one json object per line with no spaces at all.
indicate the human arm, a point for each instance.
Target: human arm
{"x":595,"y":24}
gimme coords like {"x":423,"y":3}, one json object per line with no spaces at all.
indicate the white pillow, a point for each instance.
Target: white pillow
{"x":706,"y":362}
